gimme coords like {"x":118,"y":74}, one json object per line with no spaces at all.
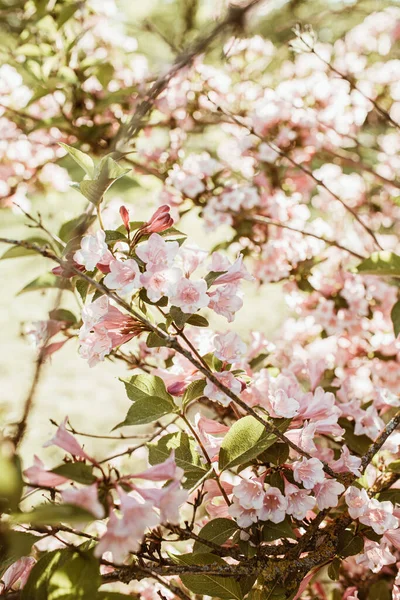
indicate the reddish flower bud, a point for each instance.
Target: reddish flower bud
{"x":160,"y":221}
{"x":123,"y":211}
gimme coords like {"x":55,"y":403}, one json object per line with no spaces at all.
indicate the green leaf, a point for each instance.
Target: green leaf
{"x":82,"y":159}
{"x":78,"y":578}
{"x":155,"y":341}
{"x":357,"y":443}
{"x":75,"y":228}
{"x":194,"y":390}
{"x":212,"y":276}
{"x":54,"y":514}
{"x":37,"y":585}
{"x":77,"y":471}
{"x":178,"y":316}
{"x":349,"y":544}
{"x":107,"y":172}
{"x":275,"y":531}
{"x":380,"y":263}
{"x":246,"y":439}
{"x":147,"y":410}
{"x":186,"y":456}
{"x":18,"y":251}
{"x":61,"y":314}
{"x":218,"y":531}
{"x":146,"y":387}
{"x":277,"y":454}
{"x":392,"y":495}
{"x":114,"y":236}
{"x":212,"y":585}
{"x":379,"y":590}
{"x":66,"y":13}
{"x":11,"y":484}
{"x":395,"y":316}
{"x":82,"y":287}
{"x":197,"y":321}
{"x":334,"y":569}
{"x":394,"y":466}
{"x":46,"y":282}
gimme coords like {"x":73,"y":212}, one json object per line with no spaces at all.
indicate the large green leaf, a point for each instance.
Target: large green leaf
{"x":78,"y":578}
{"x":349,"y":544}
{"x":150,"y":397}
{"x":17,"y":544}
{"x":11,"y":484}
{"x":218,"y":531}
{"x":276,"y":531}
{"x":146,"y":387}
{"x":37,"y":585}
{"x":147,"y":410}
{"x":357,"y":443}
{"x":77,"y":471}
{"x":246,"y":439}
{"x":186,"y":456}
{"x":381,"y":263}
{"x":107,"y":172}
{"x":46,"y":282}
{"x":212,"y":585}
{"x":82,"y":159}
{"x":54,"y":514}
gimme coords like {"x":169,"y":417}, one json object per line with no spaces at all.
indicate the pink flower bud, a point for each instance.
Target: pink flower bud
{"x":123,"y":211}
{"x":160,"y":221}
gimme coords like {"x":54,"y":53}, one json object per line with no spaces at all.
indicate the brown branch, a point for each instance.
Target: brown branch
{"x":381,"y":439}
{"x":234,"y":18}
{"x":265,"y":220}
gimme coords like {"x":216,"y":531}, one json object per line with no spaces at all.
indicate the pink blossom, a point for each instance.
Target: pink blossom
{"x":93,"y":248}
{"x":244,"y":516}
{"x":369,"y":423}
{"x":168,"y":499}
{"x":347,"y":462}
{"x":299,"y":501}
{"x":226,"y":301}
{"x":123,"y":276}
{"x":308,"y":471}
{"x":189,"y":258}
{"x":327,"y":492}
{"x":274,"y":506}
{"x":161,"y":472}
{"x":160,"y":282}
{"x":18,"y":571}
{"x":249,"y":494}
{"x":375,"y":556}
{"x":85,"y":497}
{"x":38,"y":475}
{"x":229,"y":347}
{"x":379,"y":516}
{"x":234,"y":273}
{"x":104,"y":327}
{"x":207,"y":431}
{"x":228,"y":380}
{"x":304,"y":437}
{"x":124,"y":534}
{"x":42,"y":331}
{"x":357,"y":501}
{"x":190,"y":296}
{"x":280,"y":405}
{"x":65,"y":440}
{"x":393,"y":536}
{"x":156,"y":252}
{"x":321,"y":408}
